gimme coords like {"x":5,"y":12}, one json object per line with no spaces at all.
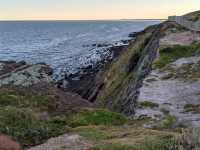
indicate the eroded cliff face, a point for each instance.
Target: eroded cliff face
{"x":125,"y":75}
{"x":173,"y":86}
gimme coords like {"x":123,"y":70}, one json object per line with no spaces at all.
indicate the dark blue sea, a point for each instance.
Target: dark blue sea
{"x":65,"y":45}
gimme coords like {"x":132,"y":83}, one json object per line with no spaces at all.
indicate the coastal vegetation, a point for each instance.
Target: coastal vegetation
{"x":171,"y":54}
{"x":120,"y":138}
{"x":192,"y":108}
{"x":147,"y":104}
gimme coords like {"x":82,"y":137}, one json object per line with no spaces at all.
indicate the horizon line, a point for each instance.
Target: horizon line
{"x":77,"y":19}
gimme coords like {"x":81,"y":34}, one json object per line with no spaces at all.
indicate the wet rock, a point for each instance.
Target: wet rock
{"x":133,"y":34}
{"x":102,"y":45}
{"x":125,"y":42}
{"x":89,"y":79}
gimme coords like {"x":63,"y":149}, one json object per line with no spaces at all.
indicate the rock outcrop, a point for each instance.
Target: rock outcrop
{"x":124,"y":77}
{"x":123,"y":83}
{"x":174,"y":83}
{"x":64,"y":142}
{"x":20,"y":73}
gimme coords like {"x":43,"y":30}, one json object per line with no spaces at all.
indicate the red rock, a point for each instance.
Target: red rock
{"x":6,"y":143}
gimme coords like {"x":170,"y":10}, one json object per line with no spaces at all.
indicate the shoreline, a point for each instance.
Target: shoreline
{"x":147,"y":94}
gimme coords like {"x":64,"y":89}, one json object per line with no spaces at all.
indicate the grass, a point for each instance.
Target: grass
{"x":21,"y":117}
{"x":168,"y":122}
{"x":96,"y":117}
{"x":167,"y":144}
{"x":34,"y":101}
{"x":195,"y":109}
{"x":148,"y":104}
{"x":95,"y":133}
{"x":113,"y":147}
{"x":43,"y":102}
{"x":127,"y":138}
{"x":171,"y":54}
{"x":25,"y":126}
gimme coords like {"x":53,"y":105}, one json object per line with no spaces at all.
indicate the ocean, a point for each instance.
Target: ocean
{"x":64,"y":45}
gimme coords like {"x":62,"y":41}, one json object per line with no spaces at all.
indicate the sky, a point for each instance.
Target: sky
{"x":94,"y":9}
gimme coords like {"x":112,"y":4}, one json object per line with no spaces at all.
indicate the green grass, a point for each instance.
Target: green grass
{"x":31,"y":101}
{"x":25,"y":126}
{"x":125,"y":138}
{"x":21,"y":117}
{"x":92,"y":133}
{"x":96,"y":117}
{"x":171,"y":54}
{"x":121,"y":138}
{"x":148,"y":104}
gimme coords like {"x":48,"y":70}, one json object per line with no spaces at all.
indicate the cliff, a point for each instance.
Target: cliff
{"x":160,"y":71}
{"x":143,"y":99}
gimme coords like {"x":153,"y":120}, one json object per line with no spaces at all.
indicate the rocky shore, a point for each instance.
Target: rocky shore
{"x":146,"y":97}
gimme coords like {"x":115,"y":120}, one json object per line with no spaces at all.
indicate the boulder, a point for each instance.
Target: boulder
{"x":6,"y":143}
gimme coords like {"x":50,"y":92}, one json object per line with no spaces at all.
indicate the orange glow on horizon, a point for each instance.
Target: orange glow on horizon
{"x":103,"y":11}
